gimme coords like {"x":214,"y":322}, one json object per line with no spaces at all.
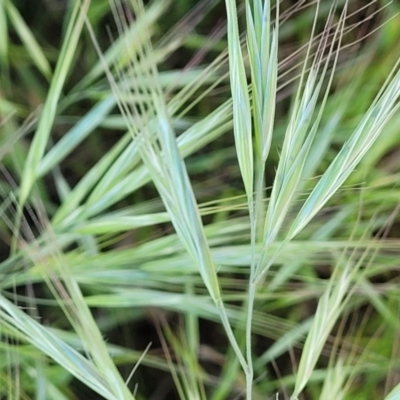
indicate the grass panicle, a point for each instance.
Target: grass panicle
{"x":214,"y":200}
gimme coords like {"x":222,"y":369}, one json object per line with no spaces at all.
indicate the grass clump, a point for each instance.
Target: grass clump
{"x":191,"y":217}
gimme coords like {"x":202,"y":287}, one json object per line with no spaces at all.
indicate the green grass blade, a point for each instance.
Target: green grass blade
{"x":367,"y":132}
{"x":75,"y":136}
{"x":49,"y":344}
{"x":29,"y":41}
{"x":46,"y":120}
{"x":242,"y":126}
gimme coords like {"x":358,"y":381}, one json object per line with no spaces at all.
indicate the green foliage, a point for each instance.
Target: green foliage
{"x":191,"y":216}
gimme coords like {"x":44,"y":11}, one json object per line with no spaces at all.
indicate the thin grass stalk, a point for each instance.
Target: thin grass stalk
{"x":49,"y":344}
{"x":345,"y":162}
{"x":145,"y":22}
{"x":242,"y":125}
{"x":253,"y":283}
{"x":287,"y":173}
{"x":153,"y":134}
{"x":264,"y":74}
{"x":38,"y":146}
{"x":171,"y":145}
{"x":71,"y":301}
{"x":29,"y":41}
{"x":46,"y":120}
{"x":74,"y":307}
{"x":264,"y":79}
{"x":191,"y":373}
{"x":298,"y":140}
{"x":367,"y":132}
{"x":337,"y":294}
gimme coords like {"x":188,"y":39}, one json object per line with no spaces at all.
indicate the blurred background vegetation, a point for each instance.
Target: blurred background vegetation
{"x":120,"y":246}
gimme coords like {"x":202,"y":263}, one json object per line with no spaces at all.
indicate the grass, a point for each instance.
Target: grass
{"x":199,"y":215}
